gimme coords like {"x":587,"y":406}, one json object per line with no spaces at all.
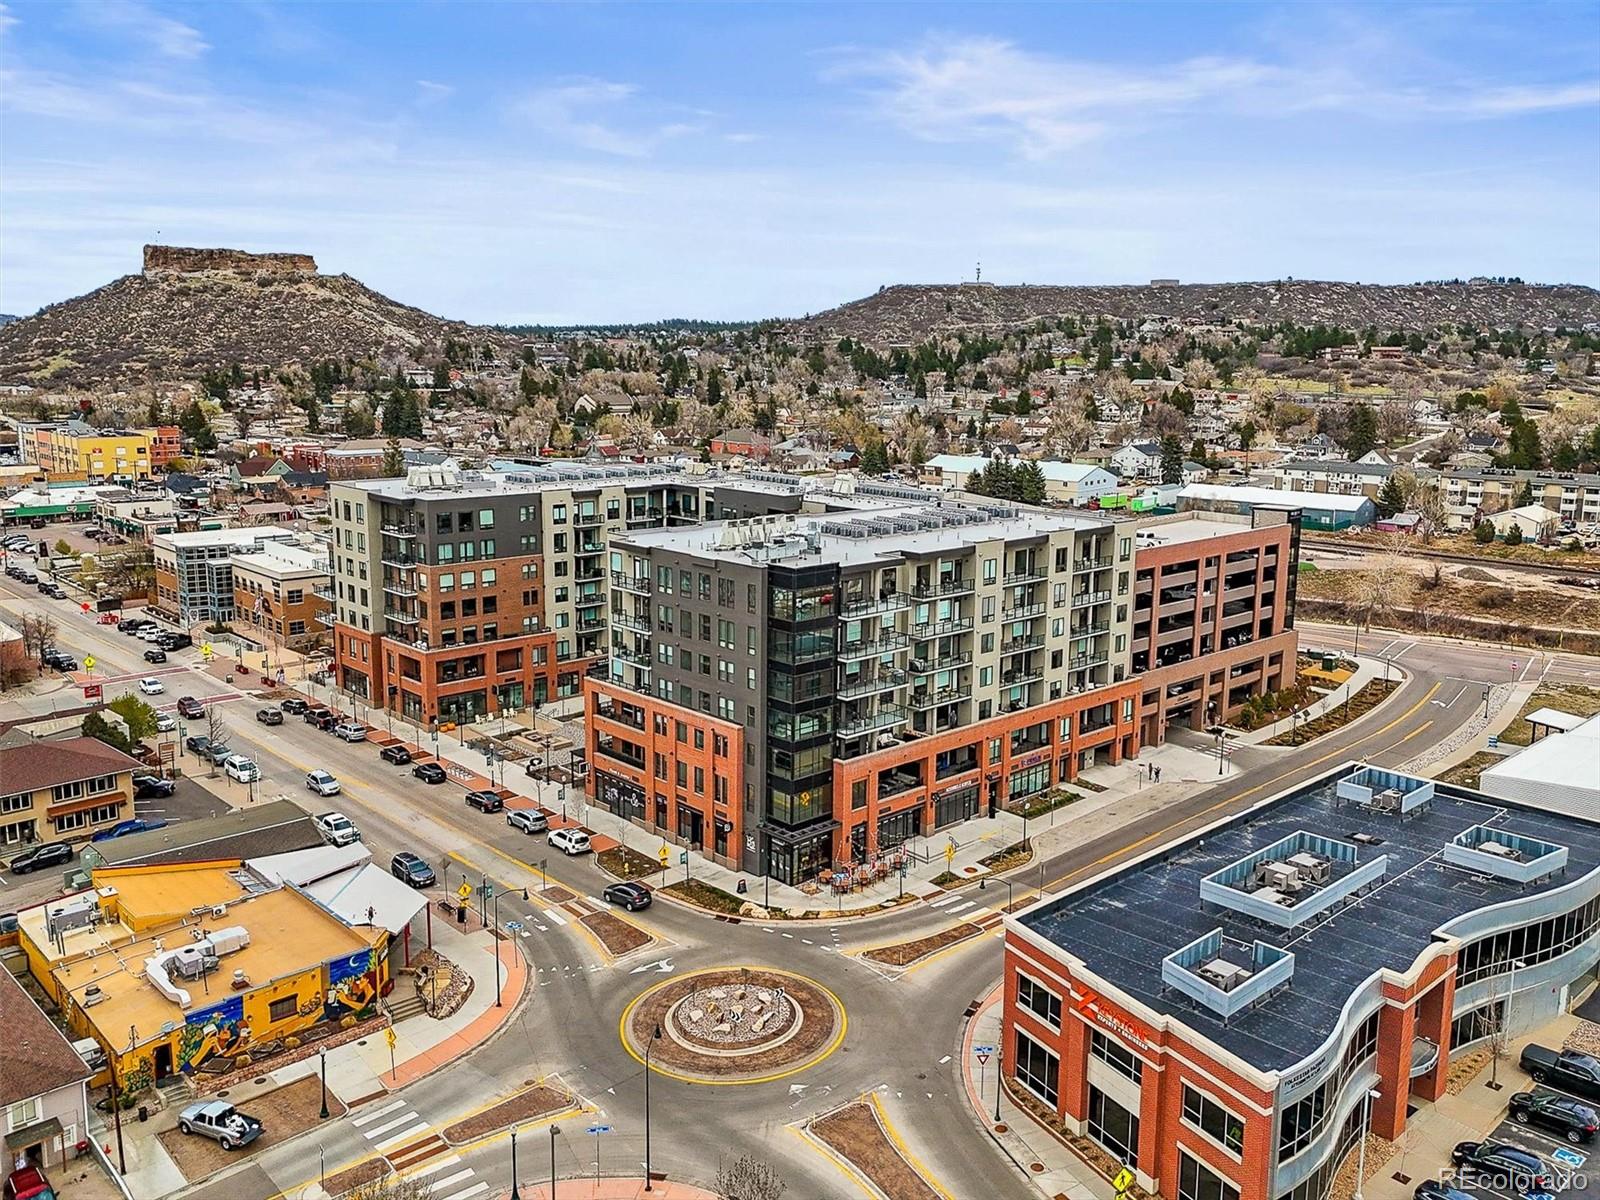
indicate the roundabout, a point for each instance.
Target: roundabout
{"x":730,"y":1025}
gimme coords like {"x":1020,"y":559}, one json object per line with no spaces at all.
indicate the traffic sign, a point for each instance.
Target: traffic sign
{"x":88,"y":662}
{"x":465,"y":890}
{"x":662,"y":855}
{"x":514,"y":926}
{"x":388,"y":1036}
{"x":982,"y":1053}
{"x":1123,"y":1181}
{"x":683,"y":857}
{"x":597,"y":1130}
{"x":949,"y":853}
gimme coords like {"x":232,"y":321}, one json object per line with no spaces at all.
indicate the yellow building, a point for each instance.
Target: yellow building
{"x":61,"y":791}
{"x":168,"y":965}
{"x":75,"y":450}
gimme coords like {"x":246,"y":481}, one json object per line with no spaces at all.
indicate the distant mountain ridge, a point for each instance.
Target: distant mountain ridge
{"x":191,"y":309}
{"x":911,"y":312}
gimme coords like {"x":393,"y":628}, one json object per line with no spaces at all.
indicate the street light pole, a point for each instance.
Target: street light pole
{"x":1361,"y":1153}
{"x":554,"y":1129}
{"x":323,"y":1056}
{"x":497,"y":1002}
{"x":648,"y":1046}
{"x":999,"y":1075}
{"x":515,"y":1195}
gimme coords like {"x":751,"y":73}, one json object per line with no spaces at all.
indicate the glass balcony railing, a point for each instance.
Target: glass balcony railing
{"x":882,"y":718}
{"x":870,"y":606}
{"x":884,"y":681}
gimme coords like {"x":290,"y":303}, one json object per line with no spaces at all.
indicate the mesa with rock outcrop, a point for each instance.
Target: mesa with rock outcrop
{"x":194,"y":308}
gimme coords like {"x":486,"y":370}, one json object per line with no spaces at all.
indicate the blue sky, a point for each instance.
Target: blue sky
{"x":522,"y":162}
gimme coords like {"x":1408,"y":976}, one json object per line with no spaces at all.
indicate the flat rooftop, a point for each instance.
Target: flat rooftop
{"x":421,"y":483}
{"x":1189,"y":528}
{"x":1124,"y":925}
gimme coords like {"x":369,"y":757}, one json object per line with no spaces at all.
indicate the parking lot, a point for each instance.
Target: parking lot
{"x":1575,"y":1176}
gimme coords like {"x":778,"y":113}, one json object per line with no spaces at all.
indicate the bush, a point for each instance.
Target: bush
{"x":1483,"y":533}
{"x":1514,"y":536}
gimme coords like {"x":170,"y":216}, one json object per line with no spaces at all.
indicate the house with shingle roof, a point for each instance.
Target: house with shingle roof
{"x":44,"y":1088}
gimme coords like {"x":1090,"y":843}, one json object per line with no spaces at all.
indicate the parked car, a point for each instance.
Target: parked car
{"x":569,"y":841}
{"x":1572,"y":1119}
{"x":411,"y":870}
{"x":53,"y":590}
{"x":337,"y":829}
{"x":218,"y":753}
{"x":174,"y":641}
{"x":529,"y":820}
{"x":488,"y":802}
{"x":323,"y":719}
{"x":1515,"y":1167}
{"x":151,"y":787}
{"x":350,"y":731}
{"x":429,"y":772}
{"x":152,"y":687}
{"x":1569,"y":1070}
{"x":269,"y":716}
{"x":323,"y":783}
{"x":396,"y":754}
{"x":196,"y":743}
{"x":166,"y":723}
{"x":631,"y":896}
{"x":129,"y":624}
{"x":221,"y":1120}
{"x":149,"y":633}
{"x":1432,"y":1189}
{"x":124,"y":828}
{"x":190,"y":709}
{"x":155,"y":656}
{"x":50,"y":854}
{"x":294,"y":704}
{"x":242,"y":769}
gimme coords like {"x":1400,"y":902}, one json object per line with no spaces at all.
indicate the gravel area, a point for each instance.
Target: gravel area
{"x":816,"y":1032}
{"x":734,"y":1015}
{"x":1499,"y":695}
{"x":619,"y":937}
{"x":854,"y":1133}
{"x":283,"y":1112}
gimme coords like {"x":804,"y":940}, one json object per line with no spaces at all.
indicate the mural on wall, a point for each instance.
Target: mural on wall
{"x":219,"y":1029}
{"x":353,"y":982}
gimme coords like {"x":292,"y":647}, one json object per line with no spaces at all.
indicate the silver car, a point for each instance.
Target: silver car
{"x":221,"y":1120}
{"x":529,"y":820}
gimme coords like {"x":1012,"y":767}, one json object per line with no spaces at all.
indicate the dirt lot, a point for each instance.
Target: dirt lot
{"x":903,"y":954}
{"x":538,"y":1101}
{"x":620,"y":937}
{"x":1535,"y":598}
{"x":1468,"y":772}
{"x":1580,"y":701}
{"x":853,"y":1133}
{"x":284,"y":1112}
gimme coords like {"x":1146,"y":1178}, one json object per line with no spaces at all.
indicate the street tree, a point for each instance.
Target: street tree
{"x":138,"y":716}
{"x":394,"y":460}
{"x":749,"y":1178}
{"x":38,"y":631}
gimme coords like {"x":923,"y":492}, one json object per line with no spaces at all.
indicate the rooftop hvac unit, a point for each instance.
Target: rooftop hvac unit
{"x":1387,"y":800}
{"x":1499,"y":850}
{"x":1313,"y":868}
{"x":1222,"y":974}
{"x":1279,"y":875}
{"x":219,"y":910}
{"x":92,"y":995}
{"x":1367,"y":839}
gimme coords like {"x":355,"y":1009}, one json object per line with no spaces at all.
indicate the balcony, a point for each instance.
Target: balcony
{"x":401,"y":562}
{"x":1084,"y":599}
{"x":1093,"y":630}
{"x":1023,"y":612}
{"x":399,"y":531}
{"x":627,"y":620}
{"x":948,"y":663}
{"x":585,"y":624}
{"x":587,"y":520}
{"x":589,"y":549}
{"x":395,"y":588}
{"x":883,"y":718}
{"x":324,"y":591}
{"x":1091,"y":564}
{"x":606,"y":747}
{"x":1079,"y":661}
{"x":325,"y":617}
{"x":884,"y":681}
{"x":594,"y":575}
{"x":888,"y":643}
{"x":404,"y":618}
{"x":945,"y":587}
{"x":1022,"y":645}
{"x":635,"y":658}
{"x":1030,"y":575}
{"x":591,"y":600}
{"x":897,"y":783}
{"x":853,"y":609}
{"x":950,"y":695}
{"x":936,"y":629}
{"x":1021,"y":676}
{"x":639,"y":585}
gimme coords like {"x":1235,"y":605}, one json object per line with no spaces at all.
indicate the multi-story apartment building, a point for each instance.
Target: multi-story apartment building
{"x":790,"y":693}
{"x":194,"y":571}
{"x":166,"y":444}
{"x":281,"y":594}
{"x":1575,"y":495}
{"x":73,"y":450}
{"x":1213,"y":614}
{"x":61,"y":791}
{"x":462,"y":593}
{"x":1228,"y":1015}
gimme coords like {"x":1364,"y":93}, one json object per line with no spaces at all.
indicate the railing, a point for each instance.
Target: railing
{"x":583,"y":520}
{"x":885,"y":682}
{"x":1090,"y":630}
{"x":635,"y":657}
{"x":325,"y":617}
{"x":1091,"y":564}
{"x":601,"y":747}
{"x":947,"y":587}
{"x":626,"y":620}
{"x":852,"y":609}
{"x":1022,"y":645}
{"x":948,"y":663}
{"x":1017,"y":678}
{"x":403,"y":562}
{"x":921,"y":700}
{"x":888,"y":643}
{"x":639,"y":584}
{"x":946,"y":628}
{"x":1031,"y":575}
{"x":889,"y":714}
{"x":590,"y":600}
{"x":399,"y":589}
{"x":1023,"y":612}
{"x":399,"y":531}
{"x":324,"y":591}
{"x":591,"y":576}
{"x":405,"y":618}
{"x":1086,"y":598}
{"x":1079,"y":661}
{"x":589,"y":623}
{"x":896,"y":785}
{"x":589,"y":549}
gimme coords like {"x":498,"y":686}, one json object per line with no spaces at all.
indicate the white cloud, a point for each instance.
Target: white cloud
{"x":163,"y":34}
{"x":6,"y":19}
{"x":428,"y":92}
{"x":1513,"y":101}
{"x":600,"y":115}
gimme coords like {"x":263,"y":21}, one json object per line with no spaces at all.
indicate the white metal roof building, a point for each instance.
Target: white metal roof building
{"x":1319,"y":510}
{"x":1560,"y":772}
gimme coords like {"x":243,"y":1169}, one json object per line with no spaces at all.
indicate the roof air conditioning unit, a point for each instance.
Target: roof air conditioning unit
{"x":240,"y":981}
{"x":219,"y":910}
{"x":1222,"y":974}
{"x":92,"y":995}
{"x":1498,"y":849}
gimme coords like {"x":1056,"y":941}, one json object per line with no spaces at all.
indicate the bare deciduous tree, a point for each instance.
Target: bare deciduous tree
{"x":392,"y":1187}
{"x":749,"y":1178}
{"x":38,"y":631}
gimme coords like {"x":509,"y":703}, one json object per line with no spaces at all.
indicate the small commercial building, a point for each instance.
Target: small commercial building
{"x":1070,"y":483}
{"x":1318,"y":510}
{"x":1533,"y":522}
{"x":282,"y":595}
{"x":1227,"y":1014}
{"x":1560,"y":770}
{"x":61,"y":791}
{"x":194,"y":571}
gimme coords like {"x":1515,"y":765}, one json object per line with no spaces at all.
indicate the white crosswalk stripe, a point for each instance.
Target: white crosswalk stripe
{"x":368,"y":1118}
{"x":555,"y":917}
{"x":412,"y":1131}
{"x":476,"y":1189}
{"x":453,"y":1179}
{"x":405,"y":1118}
{"x":435,"y":1167}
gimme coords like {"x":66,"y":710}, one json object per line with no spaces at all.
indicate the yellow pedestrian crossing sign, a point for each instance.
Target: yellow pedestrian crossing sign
{"x":88,"y":662}
{"x":388,"y":1036}
{"x":949,"y":853}
{"x":465,"y":890}
{"x":1123,"y":1181}
{"x":663,"y":856}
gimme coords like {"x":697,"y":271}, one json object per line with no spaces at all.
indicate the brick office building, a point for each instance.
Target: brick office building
{"x":1225,"y":1015}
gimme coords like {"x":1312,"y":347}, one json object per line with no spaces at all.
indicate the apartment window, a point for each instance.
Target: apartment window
{"x":725,"y":593}
{"x":988,"y":609}
{"x":1037,"y":1070}
{"x":488,"y":576}
{"x":1196,"y":1181}
{"x":1116,"y":1056}
{"x":1211,"y":1119}
{"x":699,"y":781}
{"x":1040,"y":1001}
{"x":558,"y":514}
{"x":16,"y":803}
{"x":991,"y":570}
{"x":486,"y":518}
{"x":284,"y":1008}
{"x":1125,"y":551}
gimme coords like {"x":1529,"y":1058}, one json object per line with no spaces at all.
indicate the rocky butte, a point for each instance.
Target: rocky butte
{"x":191,"y":260}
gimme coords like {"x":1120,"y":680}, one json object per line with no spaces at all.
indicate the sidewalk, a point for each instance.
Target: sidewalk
{"x":1023,"y":1141}
{"x":1367,"y":669}
{"x":610,"y":1189}
{"x":1505,"y":702}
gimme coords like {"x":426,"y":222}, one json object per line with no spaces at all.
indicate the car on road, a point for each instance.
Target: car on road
{"x":1504,"y":1163}
{"x":152,"y":687}
{"x":50,"y":854}
{"x":269,"y":716}
{"x":1569,"y":1070}
{"x":488,"y":802}
{"x":429,"y":772}
{"x":190,"y":709}
{"x":53,"y":590}
{"x":350,"y":731}
{"x":323,"y":719}
{"x":569,"y":841}
{"x":1571,"y":1119}
{"x":129,"y":624}
{"x":155,"y":656}
{"x":409,"y":869}
{"x":152,"y":787}
{"x":124,"y":828}
{"x":196,"y":743}
{"x":323,"y":783}
{"x":166,"y":723}
{"x":529,"y":820}
{"x":149,"y":633}
{"x":336,"y":829}
{"x":221,"y":1120}
{"x":396,"y":754}
{"x":294,"y":704}
{"x":242,"y":769}
{"x":631,"y":896}
{"x":218,"y":753}
{"x":170,"y":641}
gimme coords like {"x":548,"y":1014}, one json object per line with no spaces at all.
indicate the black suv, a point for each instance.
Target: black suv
{"x":294,"y":704}
{"x":51,"y":854}
{"x":488,"y":802}
{"x":429,"y":772}
{"x":1572,"y":1119}
{"x":411,"y":870}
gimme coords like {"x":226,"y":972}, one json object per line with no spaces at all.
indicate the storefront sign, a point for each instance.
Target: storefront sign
{"x":1118,"y":1025}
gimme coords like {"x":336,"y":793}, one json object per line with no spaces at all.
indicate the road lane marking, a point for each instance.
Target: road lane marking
{"x":456,"y":1178}
{"x":414,"y":1131}
{"x":434,"y":1167}
{"x":476,"y":1189}
{"x":370,"y":1117}
{"x":403,"y":1119}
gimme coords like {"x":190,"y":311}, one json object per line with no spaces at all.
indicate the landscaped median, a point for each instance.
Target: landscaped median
{"x":859,"y":1135}
{"x":1373,"y":693}
{"x":540,"y":1100}
{"x":903,"y":954}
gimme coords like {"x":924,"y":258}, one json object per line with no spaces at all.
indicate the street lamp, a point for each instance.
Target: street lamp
{"x":323,"y":1056}
{"x":1366,"y":1124}
{"x":1485,"y":702}
{"x":515,"y":1195}
{"x":554,"y":1129}
{"x":648,"y":1046}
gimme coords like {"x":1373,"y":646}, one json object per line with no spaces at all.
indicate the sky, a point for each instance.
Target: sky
{"x":545,"y":163}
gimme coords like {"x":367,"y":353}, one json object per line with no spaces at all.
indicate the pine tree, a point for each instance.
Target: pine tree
{"x":1171,"y":459}
{"x":1391,"y":499}
{"x":1030,"y":483}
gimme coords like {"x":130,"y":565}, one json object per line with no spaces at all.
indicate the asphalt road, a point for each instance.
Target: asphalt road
{"x":904,"y":1027}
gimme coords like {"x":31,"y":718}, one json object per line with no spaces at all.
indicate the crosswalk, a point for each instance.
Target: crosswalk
{"x":416,"y":1152}
{"x":953,"y":903}
{"x":390,"y":1125}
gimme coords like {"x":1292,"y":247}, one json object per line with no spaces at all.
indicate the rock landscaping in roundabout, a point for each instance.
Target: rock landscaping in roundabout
{"x":740,"y":1024}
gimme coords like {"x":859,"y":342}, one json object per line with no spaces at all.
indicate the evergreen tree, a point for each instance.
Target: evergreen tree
{"x":1513,"y":536}
{"x":196,"y":426}
{"x":1483,"y":533}
{"x":394,"y":460}
{"x":1198,"y":451}
{"x":1391,"y":499}
{"x":1030,"y":484}
{"x":875,"y":459}
{"x":1524,"y":494}
{"x":1171,"y":459}
{"x":1361,"y":437}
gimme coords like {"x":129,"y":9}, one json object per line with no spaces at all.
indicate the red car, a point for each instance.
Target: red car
{"x":190,"y":709}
